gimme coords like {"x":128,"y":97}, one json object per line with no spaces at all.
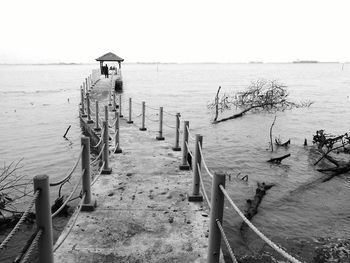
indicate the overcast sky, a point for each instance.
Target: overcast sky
{"x":175,"y":31}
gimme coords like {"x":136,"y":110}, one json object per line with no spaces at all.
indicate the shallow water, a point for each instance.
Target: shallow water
{"x":296,"y":213}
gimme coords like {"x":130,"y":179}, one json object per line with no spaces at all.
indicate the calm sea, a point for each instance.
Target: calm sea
{"x":300,"y":213}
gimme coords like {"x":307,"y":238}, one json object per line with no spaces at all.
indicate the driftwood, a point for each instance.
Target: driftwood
{"x":280,"y":144}
{"x":254,"y":204}
{"x":273,"y":123}
{"x":64,"y":136}
{"x":278,"y":159}
{"x":329,"y":141}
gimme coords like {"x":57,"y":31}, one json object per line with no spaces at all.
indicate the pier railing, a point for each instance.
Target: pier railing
{"x":192,"y":159}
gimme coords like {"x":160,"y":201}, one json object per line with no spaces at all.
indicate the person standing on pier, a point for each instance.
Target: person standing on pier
{"x":106,"y":71}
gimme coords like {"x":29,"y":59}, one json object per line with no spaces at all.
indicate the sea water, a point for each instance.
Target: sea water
{"x":300,"y":213}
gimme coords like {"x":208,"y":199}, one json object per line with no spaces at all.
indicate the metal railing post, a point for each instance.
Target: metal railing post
{"x":105,"y":154}
{"x":160,"y":137}
{"x":177,"y":133}
{"x":82,"y":103}
{"x":143,"y":128}
{"x":196,"y":196}
{"x":117,"y":131}
{"x":89,"y":120}
{"x":114,"y":103}
{"x":216,"y":213}
{"x":130,"y":110}
{"x":88,"y":205}
{"x":97,"y":127}
{"x":43,"y":218}
{"x":120,"y":106}
{"x":184,"y":165}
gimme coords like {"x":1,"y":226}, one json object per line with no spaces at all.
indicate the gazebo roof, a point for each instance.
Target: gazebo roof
{"x":110,"y":57}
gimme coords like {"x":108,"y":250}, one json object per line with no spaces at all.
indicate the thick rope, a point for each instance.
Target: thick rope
{"x":57,"y":245}
{"x":20,"y":221}
{"x":189,"y":150}
{"x":98,"y":175}
{"x":226,"y":241}
{"x":151,"y":119}
{"x":202,"y":186}
{"x":101,"y":139}
{"x":71,"y":172}
{"x":70,"y":196}
{"x":169,"y":113}
{"x":99,"y":155}
{"x":203,"y":161}
{"x":189,"y":134}
{"x":33,"y":246}
{"x":261,"y":235}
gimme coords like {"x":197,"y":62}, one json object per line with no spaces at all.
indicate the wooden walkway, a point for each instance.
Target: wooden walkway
{"x":142,"y":212}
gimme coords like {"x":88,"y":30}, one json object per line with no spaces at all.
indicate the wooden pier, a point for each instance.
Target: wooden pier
{"x":142,"y":212}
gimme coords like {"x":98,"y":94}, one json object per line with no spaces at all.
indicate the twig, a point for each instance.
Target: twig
{"x":273,"y":123}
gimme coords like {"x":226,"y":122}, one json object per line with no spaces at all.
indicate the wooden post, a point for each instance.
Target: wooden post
{"x":105,"y":154}
{"x":97,"y":127}
{"x":89,"y":120}
{"x":160,"y":137}
{"x":114,"y":103}
{"x":110,"y":99}
{"x":117,"y":134}
{"x":184,"y":165}
{"x":143,"y":128}
{"x":130,"y":105}
{"x":88,"y":205}
{"x":43,"y":218}
{"x":106,"y":114}
{"x":120,"y":106}
{"x":82,"y":103}
{"x":177,"y":133}
{"x":196,"y":196}
{"x":216,"y":213}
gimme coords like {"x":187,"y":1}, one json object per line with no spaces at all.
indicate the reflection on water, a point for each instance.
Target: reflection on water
{"x":299,"y":213}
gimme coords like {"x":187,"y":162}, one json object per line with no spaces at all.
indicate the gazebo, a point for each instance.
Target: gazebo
{"x":109,"y":57}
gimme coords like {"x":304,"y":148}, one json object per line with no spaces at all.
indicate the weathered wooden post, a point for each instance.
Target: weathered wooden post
{"x":143,"y":128}
{"x":216,"y":213}
{"x":196,"y":166}
{"x":86,"y":85}
{"x":117,"y":133}
{"x":184,"y":165}
{"x":177,"y":133}
{"x":43,"y":218}
{"x":88,"y":205}
{"x":105,"y":154}
{"x":89,"y":120}
{"x":114,"y":103}
{"x":97,"y":127}
{"x":160,"y":137}
{"x":130,"y":110}
{"x":106,"y":114}
{"x":110,"y":99}
{"x":120,"y":106}
{"x":83,"y":114}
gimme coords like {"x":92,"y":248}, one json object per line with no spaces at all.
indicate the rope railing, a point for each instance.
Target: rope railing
{"x":202,"y":186}
{"x":204,"y":163}
{"x":78,"y":210}
{"x":230,"y":251}
{"x":32,"y":247}
{"x":260,"y":234}
{"x":99,"y":155}
{"x":20,"y":221}
{"x":189,"y":149}
{"x":98,"y":174}
{"x":71,"y":171}
{"x":189,"y":134}
{"x":100,"y":141}
{"x":70,"y":196}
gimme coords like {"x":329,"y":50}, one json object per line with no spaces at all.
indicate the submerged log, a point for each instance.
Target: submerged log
{"x":254,"y":204}
{"x":278,"y":159}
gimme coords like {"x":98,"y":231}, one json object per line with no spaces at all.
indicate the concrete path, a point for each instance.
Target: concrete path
{"x":142,"y":212}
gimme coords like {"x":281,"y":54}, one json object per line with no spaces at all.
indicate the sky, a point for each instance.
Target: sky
{"x":183,"y":31}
